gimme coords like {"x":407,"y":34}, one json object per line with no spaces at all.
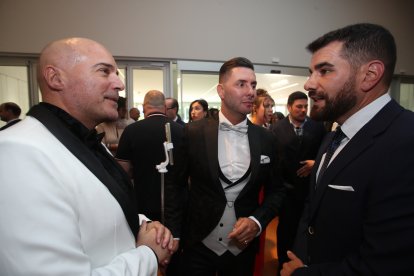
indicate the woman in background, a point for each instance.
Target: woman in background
{"x":262,"y":108}
{"x":198,"y":110}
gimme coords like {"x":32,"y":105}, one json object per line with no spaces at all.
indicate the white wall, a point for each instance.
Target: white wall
{"x":201,"y":29}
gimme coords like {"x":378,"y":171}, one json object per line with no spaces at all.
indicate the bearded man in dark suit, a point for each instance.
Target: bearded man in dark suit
{"x":227,"y":163}
{"x":360,"y":215}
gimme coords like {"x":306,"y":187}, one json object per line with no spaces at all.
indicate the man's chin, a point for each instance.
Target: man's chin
{"x":316,"y":114}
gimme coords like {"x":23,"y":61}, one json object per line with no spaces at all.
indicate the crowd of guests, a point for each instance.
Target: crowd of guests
{"x":83,"y":193}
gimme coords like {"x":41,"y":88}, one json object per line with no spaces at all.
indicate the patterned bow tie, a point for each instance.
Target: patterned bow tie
{"x":240,"y":130}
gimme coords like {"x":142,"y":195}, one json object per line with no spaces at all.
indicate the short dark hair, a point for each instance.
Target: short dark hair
{"x":361,"y":43}
{"x":174,"y":103}
{"x":234,"y":63}
{"x":297,"y":95}
{"x":13,"y":108}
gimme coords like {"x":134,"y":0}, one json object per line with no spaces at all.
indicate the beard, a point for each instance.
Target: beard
{"x":335,"y":106}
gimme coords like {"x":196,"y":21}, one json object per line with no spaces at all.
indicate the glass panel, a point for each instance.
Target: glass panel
{"x":14,"y":87}
{"x":121,"y":74}
{"x":145,"y":80}
{"x":198,"y":86}
{"x":203,"y":85}
{"x":407,"y":95}
{"x":280,"y":87}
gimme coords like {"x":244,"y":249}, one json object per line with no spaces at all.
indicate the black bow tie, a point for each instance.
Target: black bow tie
{"x":240,"y":130}
{"x":93,"y":139}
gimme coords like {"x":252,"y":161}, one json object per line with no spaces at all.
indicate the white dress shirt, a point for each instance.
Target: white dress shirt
{"x":233,"y":151}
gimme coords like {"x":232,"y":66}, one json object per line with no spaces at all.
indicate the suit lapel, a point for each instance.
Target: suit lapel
{"x":80,"y":151}
{"x":360,"y":142}
{"x":211,"y":146}
{"x":255,"y":150}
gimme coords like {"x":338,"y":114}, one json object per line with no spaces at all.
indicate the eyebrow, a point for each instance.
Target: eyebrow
{"x":321,"y":65}
{"x":245,"y":81}
{"x":106,"y":65}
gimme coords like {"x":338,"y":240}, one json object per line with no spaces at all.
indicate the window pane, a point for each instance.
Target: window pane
{"x":407,"y":95}
{"x":145,"y":80}
{"x":121,"y":75}
{"x":198,"y":86}
{"x":14,"y":87}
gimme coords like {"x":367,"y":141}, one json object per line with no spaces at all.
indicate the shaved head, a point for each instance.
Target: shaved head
{"x":80,"y":76}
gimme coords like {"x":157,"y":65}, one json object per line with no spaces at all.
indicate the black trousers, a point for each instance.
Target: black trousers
{"x":201,"y":261}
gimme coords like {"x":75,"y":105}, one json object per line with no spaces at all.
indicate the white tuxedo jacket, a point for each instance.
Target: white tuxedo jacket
{"x":56,"y":217}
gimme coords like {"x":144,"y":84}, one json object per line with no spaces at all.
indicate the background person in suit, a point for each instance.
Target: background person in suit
{"x":113,"y":129}
{"x":298,"y":138}
{"x":141,"y":149}
{"x":134,"y":115}
{"x":172,"y":110}
{"x":360,"y":216}
{"x":70,"y":208}
{"x":224,"y":217}
{"x":9,"y":113}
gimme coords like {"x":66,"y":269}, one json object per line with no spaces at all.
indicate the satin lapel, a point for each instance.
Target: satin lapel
{"x":78,"y":149}
{"x":70,"y":141}
{"x":255,"y":150}
{"x":362,"y":140}
{"x":211,"y":147}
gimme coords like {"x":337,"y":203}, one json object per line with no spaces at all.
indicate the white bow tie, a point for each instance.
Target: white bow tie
{"x":240,"y":130}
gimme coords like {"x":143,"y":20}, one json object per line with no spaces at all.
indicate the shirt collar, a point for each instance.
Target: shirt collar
{"x":357,"y":121}
{"x":223,"y":118}
{"x":301,"y":125}
{"x":87,"y":136}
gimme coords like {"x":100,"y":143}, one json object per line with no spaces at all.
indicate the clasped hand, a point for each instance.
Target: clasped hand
{"x":159,"y":239}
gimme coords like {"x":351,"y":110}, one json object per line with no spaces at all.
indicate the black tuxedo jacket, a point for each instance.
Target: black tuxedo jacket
{"x":141,"y":143}
{"x":360,"y":219}
{"x":180,"y":121}
{"x":197,"y":161}
{"x":293,"y":149}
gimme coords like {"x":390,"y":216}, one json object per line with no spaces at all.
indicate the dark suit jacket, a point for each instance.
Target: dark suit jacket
{"x":9,"y":124}
{"x":293,"y":149}
{"x":141,"y":143}
{"x":180,"y":121}
{"x":198,"y":161}
{"x":368,"y":231}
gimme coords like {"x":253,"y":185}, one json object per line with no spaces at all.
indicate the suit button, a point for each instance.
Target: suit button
{"x":221,"y":224}
{"x":311,"y":230}
{"x":220,"y":239}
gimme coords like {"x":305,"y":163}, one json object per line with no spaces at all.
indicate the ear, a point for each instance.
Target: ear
{"x":373,"y":73}
{"x":53,"y":77}
{"x":220,"y":90}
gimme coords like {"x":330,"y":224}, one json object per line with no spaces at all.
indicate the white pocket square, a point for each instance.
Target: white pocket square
{"x":342,"y":188}
{"x":264,"y":159}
